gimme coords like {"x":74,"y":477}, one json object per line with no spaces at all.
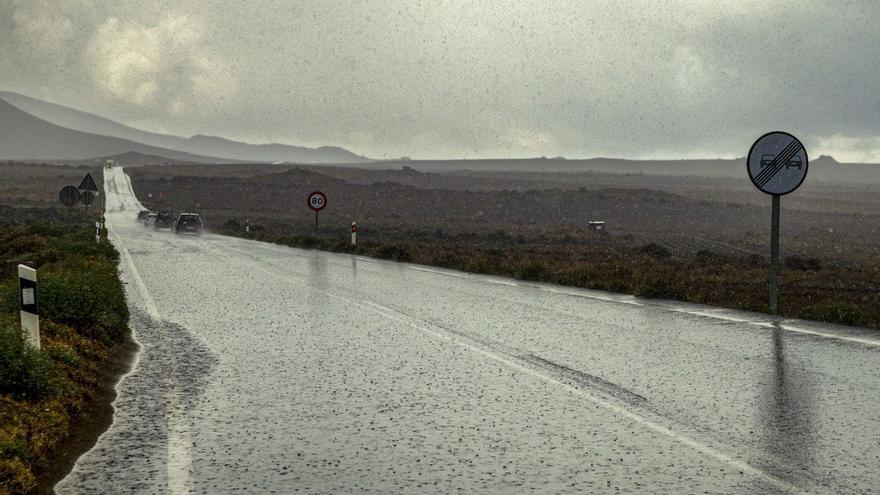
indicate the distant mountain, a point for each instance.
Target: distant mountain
{"x":86,"y":122}
{"x":824,"y":168}
{"x":199,"y":145}
{"x":268,"y":152}
{"x":26,"y":137}
{"x":133,"y":158}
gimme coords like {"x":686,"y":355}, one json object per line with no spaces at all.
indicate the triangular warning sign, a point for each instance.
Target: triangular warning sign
{"x":88,"y":184}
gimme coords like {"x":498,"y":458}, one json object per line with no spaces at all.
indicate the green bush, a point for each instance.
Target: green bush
{"x":87,"y":296}
{"x":842,"y":312}
{"x":535,"y":271}
{"x":24,"y":372}
{"x":393,"y":252}
{"x":655,"y":250}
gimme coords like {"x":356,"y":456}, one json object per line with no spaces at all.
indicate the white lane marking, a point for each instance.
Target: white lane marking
{"x":622,"y":411}
{"x":448,"y":274}
{"x":474,"y":277}
{"x":178,"y":453}
{"x":788,"y":328}
{"x":704,"y":314}
{"x":590,"y":296}
{"x":391,"y":314}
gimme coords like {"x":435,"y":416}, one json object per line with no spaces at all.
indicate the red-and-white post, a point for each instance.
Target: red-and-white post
{"x":30,"y":319}
{"x":354,"y":233}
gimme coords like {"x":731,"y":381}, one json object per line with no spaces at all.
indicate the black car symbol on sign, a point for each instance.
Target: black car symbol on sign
{"x":795,"y":162}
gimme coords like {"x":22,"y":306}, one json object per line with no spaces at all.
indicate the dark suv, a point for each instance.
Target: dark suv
{"x":164,"y":219}
{"x":189,"y":223}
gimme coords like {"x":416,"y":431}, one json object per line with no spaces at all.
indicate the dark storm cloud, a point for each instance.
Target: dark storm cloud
{"x":464,"y":79}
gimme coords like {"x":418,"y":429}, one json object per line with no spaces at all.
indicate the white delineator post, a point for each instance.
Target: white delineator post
{"x":354,"y":233}
{"x":30,"y":319}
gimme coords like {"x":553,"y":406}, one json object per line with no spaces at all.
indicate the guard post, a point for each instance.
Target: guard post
{"x":30,"y":319}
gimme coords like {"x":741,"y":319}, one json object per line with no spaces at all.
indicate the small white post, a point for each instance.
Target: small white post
{"x":30,"y":319}
{"x":247,"y":226}
{"x":98,"y":232}
{"x":354,"y":233}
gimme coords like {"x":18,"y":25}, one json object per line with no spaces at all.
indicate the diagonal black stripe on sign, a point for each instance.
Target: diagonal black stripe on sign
{"x":783,"y":162}
{"x":780,"y":160}
{"x":769,"y":169}
{"x":779,"y":163}
{"x":778,"y":168}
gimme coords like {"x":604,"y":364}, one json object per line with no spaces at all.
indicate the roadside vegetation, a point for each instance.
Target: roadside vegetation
{"x":48,"y":396}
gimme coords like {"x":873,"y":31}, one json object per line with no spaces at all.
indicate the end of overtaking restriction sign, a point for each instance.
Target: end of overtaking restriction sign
{"x":777,"y":163}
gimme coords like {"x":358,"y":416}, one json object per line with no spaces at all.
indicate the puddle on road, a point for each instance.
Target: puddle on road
{"x":167,"y":381}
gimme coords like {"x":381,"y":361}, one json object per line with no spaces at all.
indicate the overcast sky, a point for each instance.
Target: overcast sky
{"x":466,"y":79}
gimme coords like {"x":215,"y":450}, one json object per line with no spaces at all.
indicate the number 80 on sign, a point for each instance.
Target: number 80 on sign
{"x":317,"y":201}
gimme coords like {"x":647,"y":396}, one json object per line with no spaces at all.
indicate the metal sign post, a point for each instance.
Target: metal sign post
{"x":88,"y":199}
{"x":30,"y":319}
{"x":69,"y":197}
{"x":89,"y":189}
{"x":317,"y":201}
{"x":777,"y":165}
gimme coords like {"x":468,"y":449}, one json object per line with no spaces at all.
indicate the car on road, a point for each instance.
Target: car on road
{"x":150,"y":220}
{"x":189,"y":223}
{"x":164,"y":219}
{"x":143,"y":214}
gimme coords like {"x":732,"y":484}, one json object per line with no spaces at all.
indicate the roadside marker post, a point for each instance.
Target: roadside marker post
{"x":354,"y":233}
{"x":30,"y":319}
{"x":317,"y":201}
{"x":247,"y":226}
{"x":777,"y":165}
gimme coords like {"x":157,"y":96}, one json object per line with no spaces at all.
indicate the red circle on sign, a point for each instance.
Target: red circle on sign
{"x":317,"y":201}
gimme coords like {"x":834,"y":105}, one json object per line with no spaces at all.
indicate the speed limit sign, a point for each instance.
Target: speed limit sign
{"x":317,"y":201}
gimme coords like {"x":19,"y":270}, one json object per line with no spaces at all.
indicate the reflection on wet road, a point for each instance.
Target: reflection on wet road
{"x":266,"y":369}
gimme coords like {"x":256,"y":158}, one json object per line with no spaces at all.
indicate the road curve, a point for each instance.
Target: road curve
{"x":266,"y":369}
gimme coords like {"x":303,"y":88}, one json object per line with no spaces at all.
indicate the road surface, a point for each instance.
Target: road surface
{"x":265,"y":369}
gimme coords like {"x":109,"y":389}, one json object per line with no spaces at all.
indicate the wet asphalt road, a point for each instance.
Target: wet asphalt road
{"x":265,"y":369}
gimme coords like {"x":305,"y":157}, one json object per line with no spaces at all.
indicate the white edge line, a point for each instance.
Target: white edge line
{"x":179,"y":456}
{"x":704,"y":314}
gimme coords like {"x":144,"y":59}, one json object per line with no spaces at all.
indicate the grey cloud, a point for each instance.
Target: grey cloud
{"x":466,"y":78}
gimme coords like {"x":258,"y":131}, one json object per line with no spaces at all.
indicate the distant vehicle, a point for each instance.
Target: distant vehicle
{"x":795,"y":162}
{"x":189,"y":223}
{"x":143,"y":214}
{"x":150,"y":220}
{"x":164,"y":219}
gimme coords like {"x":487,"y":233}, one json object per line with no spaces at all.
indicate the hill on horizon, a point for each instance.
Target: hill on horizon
{"x":210,"y":146}
{"x":26,"y":137}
